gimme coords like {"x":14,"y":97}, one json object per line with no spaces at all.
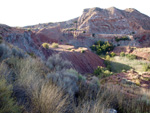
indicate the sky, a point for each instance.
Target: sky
{"x":29,"y":12}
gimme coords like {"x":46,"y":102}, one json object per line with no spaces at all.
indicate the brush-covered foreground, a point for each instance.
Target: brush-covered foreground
{"x":29,"y":85}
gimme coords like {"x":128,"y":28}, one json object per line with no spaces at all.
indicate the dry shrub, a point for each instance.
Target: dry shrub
{"x":48,"y":98}
{"x":44,"y":96}
{"x":66,"y":79}
{"x":56,"y":63}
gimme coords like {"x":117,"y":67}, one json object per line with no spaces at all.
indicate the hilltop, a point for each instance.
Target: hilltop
{"x":99,"y":60}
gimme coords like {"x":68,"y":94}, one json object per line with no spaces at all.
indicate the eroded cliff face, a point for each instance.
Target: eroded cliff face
{"x":93,"y":25}
{"x":98,"y":24}
{"x":113,"y":21}
{"x":31,"y":42}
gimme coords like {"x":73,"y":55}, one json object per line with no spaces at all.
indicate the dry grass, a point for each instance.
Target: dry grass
{"x":45,"y":96}
{"x":48,"y":98}
{"x":135,"y":64}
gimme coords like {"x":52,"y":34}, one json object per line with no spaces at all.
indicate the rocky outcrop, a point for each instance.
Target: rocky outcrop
{"x":31,"y":43}
{"x":113,"y":21}
{"x":93,"y":25}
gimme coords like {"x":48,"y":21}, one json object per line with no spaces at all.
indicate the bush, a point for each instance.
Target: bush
{"x":122,"y":54}
{"x":112,"y":54}
{"x":122,"y":38}
{"x":7,"y":103}
{"x":56,"y":63}
{"x":48,"y":98}
{"x":46,"y":45}
{"x":16,"y":52}
{"x":42,"y":96}
{"x":131,"y":57}
{"x":55,"y":45}
{"x":102,"y":72}
{"x":82,"y":51}
{"x":146,"y":67}
{"x":102,"y":47}
{"x":107,"y":57}
{"x":66,"y":79}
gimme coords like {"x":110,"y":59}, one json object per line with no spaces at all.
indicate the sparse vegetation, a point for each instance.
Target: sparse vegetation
{"x":46,"y":45}
{"x":122,"y":54}
{"x":102,"y":47}
{"x":82,"y":51}
{"x":112,"y":54}
{"x":102,"y":72}
{"x":54,"y":86}
{"x":146,"y":67}
{"x":55,"y":45}
{"x":122,"y":38}
{"x":123,"y":63}
{"x":131,"y":56}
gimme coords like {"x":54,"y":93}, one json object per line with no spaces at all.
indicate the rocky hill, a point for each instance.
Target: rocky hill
{"x":93,"y":25}
{"x":100,"y":24}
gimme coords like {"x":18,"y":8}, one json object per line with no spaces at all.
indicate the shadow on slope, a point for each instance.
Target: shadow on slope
{"x":118,"y":67}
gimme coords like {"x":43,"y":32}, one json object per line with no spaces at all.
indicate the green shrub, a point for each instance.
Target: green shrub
{"x":55,"y":45}
{"x":146,"y":67}
{"x":102,"y":72}
{"x":123,"y":70}
{"x":107,"y":63}
{"x":122,"y":38}
{"x":107,"y":57}
{"x":82,"y":51}
{"x":46,"y":45}
{"x":102,"y":47}
{"x":122,"y":54}
{"x":112,"y":54}
{"x":131,"y":57}
{"x":7,"y":103}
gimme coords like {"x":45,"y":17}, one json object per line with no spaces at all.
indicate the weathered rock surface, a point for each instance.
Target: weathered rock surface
{"x":31,"y":43}
{"x":93,"y":25}
{"x":113,"y":21}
